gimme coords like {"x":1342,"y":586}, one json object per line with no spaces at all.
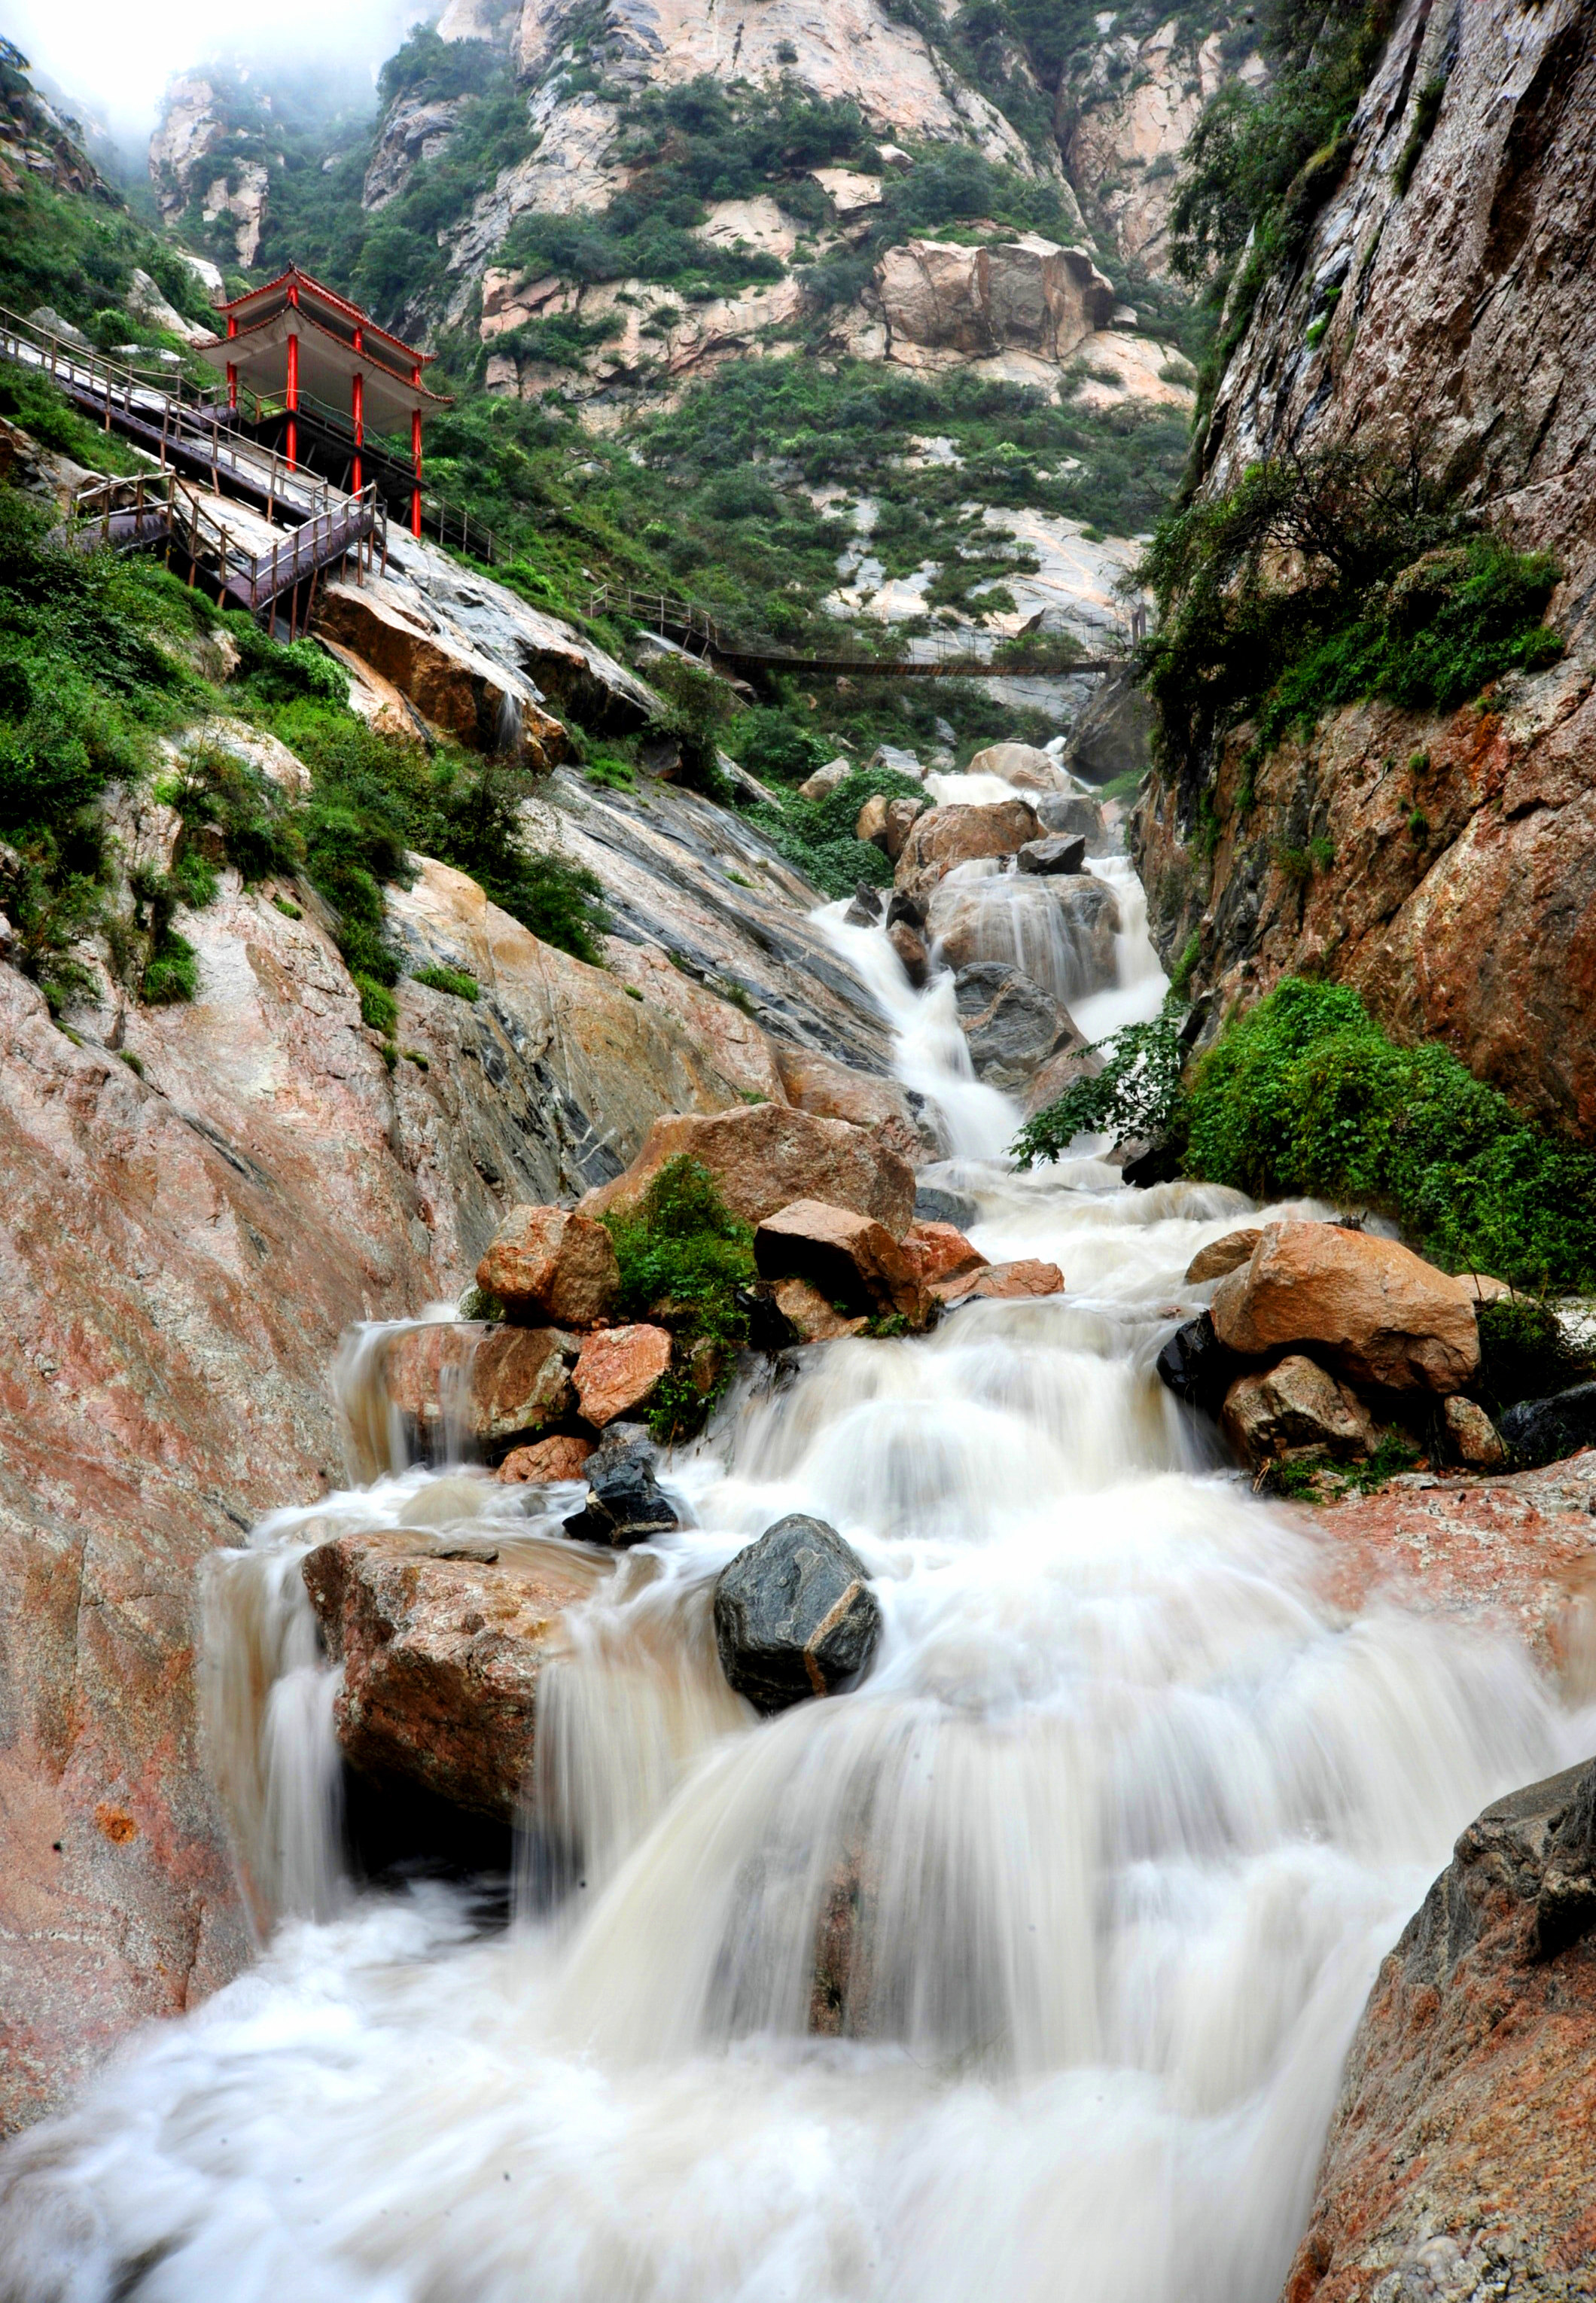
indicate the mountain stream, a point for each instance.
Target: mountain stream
{"x":1114,"y":1836}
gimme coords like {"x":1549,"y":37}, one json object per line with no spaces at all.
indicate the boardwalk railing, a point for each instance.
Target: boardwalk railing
{"x":936,"y":655}
{"x":252,"y":578}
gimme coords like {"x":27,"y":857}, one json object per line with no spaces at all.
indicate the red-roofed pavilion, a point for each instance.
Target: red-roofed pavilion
{"x":301,"y":345}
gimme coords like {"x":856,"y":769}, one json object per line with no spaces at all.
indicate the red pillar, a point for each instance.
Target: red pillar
{"x":291,"y":399}
{"x":356,"y":392}
{"x":416,"y":453}
{"x":232,"y":386}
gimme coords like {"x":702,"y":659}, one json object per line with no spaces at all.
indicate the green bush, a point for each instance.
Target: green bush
{"x":683,"y":1257}
{"x":1137,"y":1094}
{"x":1307,"y":1094}
{"x":816,"y":836}
{"x":378,"y":1008}
{"x":1391,"y":594}
{"x":456,"y":981}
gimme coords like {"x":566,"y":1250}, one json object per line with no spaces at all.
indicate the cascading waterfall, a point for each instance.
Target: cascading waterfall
{"x":1025,"y":1969}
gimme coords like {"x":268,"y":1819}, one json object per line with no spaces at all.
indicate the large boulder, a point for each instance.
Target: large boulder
{"x":819,"y":1085}
{"x":1380,"y":1313}
{"x":1222,"y":1256}
{"x":1112,"y":738}
{"x":1543,"y":1431}
{"x":465,"y":695}
{"x":851,"y":1259}
{"x":1296,"y":1408}
{"x":946,"y":836}
{"x":618,"y":1370}
{"x":1011,"y":1025}
{"x":1061,"y":854}
{"x":465,"y":1381}
{"x":944,"y":304}
{"x":768,"y":1154}
{"x":1448,"y":2172}
{"x":442,"y":1656}
{"x":1076,"y":815}
{"x":795,"y":1615}
{"x":550,"y":1264}
{"x":1025,"y":765}
{"x":1059,"y":929}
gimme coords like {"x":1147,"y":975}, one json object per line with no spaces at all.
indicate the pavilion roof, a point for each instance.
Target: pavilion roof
{"x":258,"y":301}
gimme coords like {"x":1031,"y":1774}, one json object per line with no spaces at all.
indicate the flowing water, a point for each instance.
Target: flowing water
{"x":1099,"y":1861}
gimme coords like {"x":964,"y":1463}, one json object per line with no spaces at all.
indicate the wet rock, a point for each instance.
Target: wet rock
{"x":865,"y":909}
{"x":1295,"y":1407}
{"x":1221,"y":1256}
{"x":549,"y":1264}
{"x":795,"y":1615}
{"x":1073,"y":1061}
{"x":912,"y":954}
{"x":1446,"y":2172}
{"x":946,"y":836}
{"x":1076,"y":815}
{"x":618,"y":1370}
{"x":1544,"y":1431}
{"x":1028,"y":1276}
{"x":1061,"y":853}
{"x":1142,"y":1164}
{"x":442,"y":1658}
{"x":625,"y":1504}
{"x":1197,"y":1367}
{"x":491,"y":1383}
{"x":825,"y":781}
{"x":1025,"y":765}
{"x":871,"y":824}
{"x":767,"y":1155}
{"x":908,"y":910}
{"x":545,"y":1461}
{"x":467,"y":696}
{"x":899,"y":819}
{"x":937,"y":1252}
{"x":814,"y":1083}
{"x":1380,"y":1313}
{"x":934,"y":1205}
{"x":1472,"y":1437}
{"x":1112,"y":738}
{"x":1010,"y":1023}
{"x":811,"y":1316}
{"x":851,"y":1260}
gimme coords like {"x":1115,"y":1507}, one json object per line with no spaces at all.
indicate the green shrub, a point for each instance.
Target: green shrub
{"x":816,"y":836}
{"x":683,"y":1257}
{"x":171,"y":971}
{"x":455,"y":981}
{"x":1137,"y":1094}
{"x":378,"y":1008}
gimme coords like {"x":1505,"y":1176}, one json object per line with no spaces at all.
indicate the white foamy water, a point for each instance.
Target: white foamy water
{"x":1098,"y":1862}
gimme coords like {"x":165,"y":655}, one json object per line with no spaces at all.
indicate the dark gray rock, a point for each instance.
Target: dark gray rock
{"x":1198,"y":1367}
{"x":625,"y":1503}
{"x":910,"y":909}
{"x":1545,"y":1430}
{"x":865,"y":911}
{"x":1060,"y":852}
{"x":1146,"y":1164}
{"x":935,"y":1206}
{"x":795,"y":1615}
{"x":1113,"y":735}
{"x":1074,"y":816}
{"x":1010,"y":1023}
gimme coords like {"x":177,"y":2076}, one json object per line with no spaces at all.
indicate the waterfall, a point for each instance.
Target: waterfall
{"x":1025,"y":1969}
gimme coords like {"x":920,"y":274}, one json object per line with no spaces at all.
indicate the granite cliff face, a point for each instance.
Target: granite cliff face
{"x":1454,"y":873}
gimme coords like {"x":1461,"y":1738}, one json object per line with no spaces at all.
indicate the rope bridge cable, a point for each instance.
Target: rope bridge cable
{"x":686,"y":622}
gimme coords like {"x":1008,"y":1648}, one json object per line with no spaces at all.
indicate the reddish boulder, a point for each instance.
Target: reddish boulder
{"x":946,"y":836}
{"x":940,"y":1250}
{"x":618,"y":1370}
{"x":901,"y":817}
{"x":1472,"y":1436}
{"x":1223,"y":1256}
{"x":911,"y":951}
{"x":1003,"y":1282}
{"x":1295,"y":1407}
{"x":1453,"y":2166}
{"x":814,"y":1319}
{"x":442,"y":1656}
{"x":872,"y":821}
{"x":488,"y":1383}
{"x":767,"y":1155}
{"x":817,"y":1083}
{"x":850,"y":1259}
{"x":558,"y":1457}
{"x":1379,"y":1312}
{"x":549,"y":1264}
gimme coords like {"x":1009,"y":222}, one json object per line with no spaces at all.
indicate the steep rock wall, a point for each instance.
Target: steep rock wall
{"x":1443,"y":866}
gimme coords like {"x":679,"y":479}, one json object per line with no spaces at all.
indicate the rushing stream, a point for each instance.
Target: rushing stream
{"x":1114,"y":1836}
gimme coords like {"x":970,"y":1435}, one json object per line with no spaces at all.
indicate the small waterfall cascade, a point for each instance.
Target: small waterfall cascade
{"x":1025,"y":1969}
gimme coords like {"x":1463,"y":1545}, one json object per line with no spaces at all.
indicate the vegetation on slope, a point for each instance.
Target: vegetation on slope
{"x":685,"y":1260}
{"x":1307,"y":1094}
{"x":1321,"y":579}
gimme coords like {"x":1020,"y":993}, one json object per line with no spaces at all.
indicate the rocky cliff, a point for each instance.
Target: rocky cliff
{"x":1443,"y":864}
